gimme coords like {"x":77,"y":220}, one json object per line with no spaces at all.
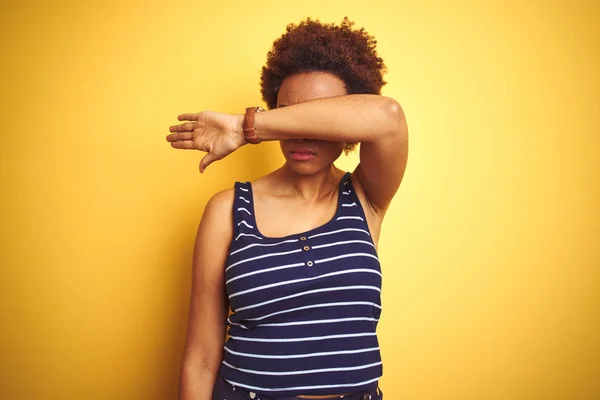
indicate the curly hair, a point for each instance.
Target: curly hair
{"x":311,"y":46}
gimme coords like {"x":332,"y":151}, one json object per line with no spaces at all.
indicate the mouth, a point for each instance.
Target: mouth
{"x":303,"y":154}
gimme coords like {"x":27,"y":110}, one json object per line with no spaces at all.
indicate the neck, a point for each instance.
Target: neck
{"x":311,"y":187}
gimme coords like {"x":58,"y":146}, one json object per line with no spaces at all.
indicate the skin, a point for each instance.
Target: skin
{"x":314,"y":113}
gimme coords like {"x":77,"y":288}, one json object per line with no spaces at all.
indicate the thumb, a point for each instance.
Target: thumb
{"x":206,"y":161}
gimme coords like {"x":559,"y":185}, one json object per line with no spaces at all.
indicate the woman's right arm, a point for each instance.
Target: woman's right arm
{"x":208,"y":302}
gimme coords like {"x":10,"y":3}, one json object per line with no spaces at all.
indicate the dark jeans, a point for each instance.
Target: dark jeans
{"x":223,"y":390}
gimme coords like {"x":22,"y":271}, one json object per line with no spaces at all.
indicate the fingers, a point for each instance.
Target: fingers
{"x":183,"y":144}
{"x":174,"y":137}
{"x":182,"y":132}
{"x":187,"y":117}
{"x":206,"y":161}
{"x":187,"y":127}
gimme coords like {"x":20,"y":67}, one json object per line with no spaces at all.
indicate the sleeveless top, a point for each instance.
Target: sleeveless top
{"x":304,"y":307}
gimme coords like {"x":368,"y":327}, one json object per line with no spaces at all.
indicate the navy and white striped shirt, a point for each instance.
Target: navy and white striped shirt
{"x":305,"y":306}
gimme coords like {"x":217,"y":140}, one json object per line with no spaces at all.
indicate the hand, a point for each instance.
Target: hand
{"x":217,"y":134}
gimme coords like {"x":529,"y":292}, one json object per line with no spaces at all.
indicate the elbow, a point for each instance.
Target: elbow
{"x":201,"y":361}
{"x":198,"y":368}
{"x":396,"y":120}
{"x":196,"y":371}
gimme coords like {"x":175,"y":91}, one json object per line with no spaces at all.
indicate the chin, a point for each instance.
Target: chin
{"x":306,"y":167}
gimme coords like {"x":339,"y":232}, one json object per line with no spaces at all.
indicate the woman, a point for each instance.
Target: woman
{"x":296,"y":260}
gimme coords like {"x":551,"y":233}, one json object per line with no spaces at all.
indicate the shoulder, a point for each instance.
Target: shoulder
{"x":218,"y":214}
{"x":221,"y":200}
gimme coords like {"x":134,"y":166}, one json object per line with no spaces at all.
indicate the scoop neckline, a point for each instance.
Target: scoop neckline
{"x":345,"y":178}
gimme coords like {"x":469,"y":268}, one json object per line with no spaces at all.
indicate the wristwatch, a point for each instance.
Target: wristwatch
{"x":248,"y":125}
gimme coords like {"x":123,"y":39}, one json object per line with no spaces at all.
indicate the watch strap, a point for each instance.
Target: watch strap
{"x":248,"y":125}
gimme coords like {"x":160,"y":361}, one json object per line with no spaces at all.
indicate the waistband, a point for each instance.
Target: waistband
{"x":223,"y":387}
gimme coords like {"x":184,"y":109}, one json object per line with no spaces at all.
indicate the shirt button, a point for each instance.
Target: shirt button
{"x":309,"y":264}
{"x":303,"y":238}
{"x":306,"y":248}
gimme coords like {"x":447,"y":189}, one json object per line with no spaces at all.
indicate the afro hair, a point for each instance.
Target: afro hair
{"x":312,"y":46}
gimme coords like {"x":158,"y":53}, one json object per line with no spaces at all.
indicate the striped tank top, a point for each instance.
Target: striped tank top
{"x":304,"y":307}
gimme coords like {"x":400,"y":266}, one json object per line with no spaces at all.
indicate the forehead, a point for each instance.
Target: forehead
{"x":305,"y":86}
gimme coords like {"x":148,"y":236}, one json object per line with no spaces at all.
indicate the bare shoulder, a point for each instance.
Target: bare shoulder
{"x":221,"y":201}
{"x":212,"y":241}
{"x":218,"y":215}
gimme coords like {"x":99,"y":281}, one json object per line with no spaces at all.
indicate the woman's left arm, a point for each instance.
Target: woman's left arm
{"x":377,"y":122}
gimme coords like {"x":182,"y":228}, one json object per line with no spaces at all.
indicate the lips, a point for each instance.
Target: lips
{"x":304,"y":150}
{"x":303,"y":154}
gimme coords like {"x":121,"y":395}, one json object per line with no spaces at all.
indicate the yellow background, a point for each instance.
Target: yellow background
{"x":491,"y":249}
